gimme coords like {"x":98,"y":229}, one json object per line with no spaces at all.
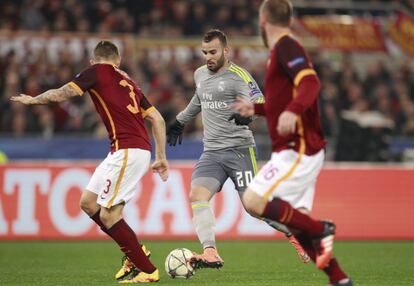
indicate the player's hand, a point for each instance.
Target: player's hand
{"x":243,"y":107}
{"x":287,"y":123}
{"x":175,"y":133}
{"x":240,"y":120}
{"x":160,"y":166}
{"x":24,"y":98}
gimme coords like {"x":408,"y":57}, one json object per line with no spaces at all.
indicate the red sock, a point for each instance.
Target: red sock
{"x":307,"y":245}
{"x":96,"y":218}
{"x":128,"y":242}
{"x":333,"y":270}
{"x":281,"y":211}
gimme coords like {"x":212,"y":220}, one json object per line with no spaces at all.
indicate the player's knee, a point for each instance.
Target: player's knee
{"x":199,"y":194}
{"x":110,"y":216}
{"x":192,"y":196}
{"x":251,"y":209}
{"x":304,"y":210}
{"x":88,"y":203}
{"x":88,"y":206}
{"x":252,"y":203}
{"x":106,"y":218}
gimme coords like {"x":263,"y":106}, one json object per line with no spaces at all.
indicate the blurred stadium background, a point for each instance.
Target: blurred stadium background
{"x":363,"y":52}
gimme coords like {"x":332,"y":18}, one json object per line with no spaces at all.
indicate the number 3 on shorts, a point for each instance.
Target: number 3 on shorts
{"x":108,"y":185}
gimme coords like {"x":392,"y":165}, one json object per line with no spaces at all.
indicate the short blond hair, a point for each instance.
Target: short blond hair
{"x":277,"y":12}
{"x":106,"y":50}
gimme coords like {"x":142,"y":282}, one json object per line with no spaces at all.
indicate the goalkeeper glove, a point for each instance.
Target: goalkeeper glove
{"x":174,"y":133}
{"x":240,"y":120}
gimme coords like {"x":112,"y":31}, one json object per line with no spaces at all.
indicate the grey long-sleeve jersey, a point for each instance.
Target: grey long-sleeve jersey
{"x":213,"y":95}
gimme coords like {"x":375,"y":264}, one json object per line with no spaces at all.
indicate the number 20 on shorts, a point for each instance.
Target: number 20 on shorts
{"x":244,"y":178}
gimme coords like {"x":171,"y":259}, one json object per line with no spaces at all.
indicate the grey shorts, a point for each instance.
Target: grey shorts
{"x":215,"y":167}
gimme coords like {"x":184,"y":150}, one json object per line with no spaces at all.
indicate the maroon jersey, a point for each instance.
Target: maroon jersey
{"x":291,"y":84}
{"x":120,"y":103}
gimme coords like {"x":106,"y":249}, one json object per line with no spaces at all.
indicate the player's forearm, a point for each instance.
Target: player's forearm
{"x":46,"y":97}
{"x":158,"y":132}
{"x":307,"y":92}
{"x":54,"y":95}
{"x":159,"y":138}
{"x":190,"y":112}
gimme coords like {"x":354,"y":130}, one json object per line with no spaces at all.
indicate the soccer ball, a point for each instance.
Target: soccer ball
{"x":177,"y":265}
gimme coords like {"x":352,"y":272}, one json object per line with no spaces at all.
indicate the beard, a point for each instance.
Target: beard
{"x":264,"y":37}
{"x":219,"y":65}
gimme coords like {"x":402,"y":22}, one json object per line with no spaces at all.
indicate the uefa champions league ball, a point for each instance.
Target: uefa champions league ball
{"x":177,"y":263}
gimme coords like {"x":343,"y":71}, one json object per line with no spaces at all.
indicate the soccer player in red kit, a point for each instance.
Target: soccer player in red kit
{"x":123,"y":108}
{"x":284,"y":188}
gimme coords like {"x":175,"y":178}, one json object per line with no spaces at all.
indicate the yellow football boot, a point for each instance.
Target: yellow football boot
{"x":142,"y":277}
{"x":128,"y":266}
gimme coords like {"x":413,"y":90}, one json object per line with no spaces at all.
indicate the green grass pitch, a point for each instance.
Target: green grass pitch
{"x":246,"y":263}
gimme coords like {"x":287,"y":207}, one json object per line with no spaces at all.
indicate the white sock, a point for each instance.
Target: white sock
{"x":204,"y":223}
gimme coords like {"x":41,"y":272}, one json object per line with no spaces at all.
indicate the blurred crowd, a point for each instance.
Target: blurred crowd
{"x":381,"y":99}
{"x":165,"y":18}
{"x":362,"y":111}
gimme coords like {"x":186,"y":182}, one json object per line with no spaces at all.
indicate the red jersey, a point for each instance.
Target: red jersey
{"x":120,"y":103}
{"x":291,"y":84}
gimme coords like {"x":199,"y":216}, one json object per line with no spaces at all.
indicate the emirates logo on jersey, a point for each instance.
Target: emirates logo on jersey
{"x":214,"y":105}
{"x":207,"y":102}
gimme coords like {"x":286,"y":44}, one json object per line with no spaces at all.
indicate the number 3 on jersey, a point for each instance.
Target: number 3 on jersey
{"x":134,"y":107}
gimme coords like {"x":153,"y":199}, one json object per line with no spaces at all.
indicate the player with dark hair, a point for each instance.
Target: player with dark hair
{"x":283,"y":190}
{"x":229,"y":147}
{"x":123,"y":108}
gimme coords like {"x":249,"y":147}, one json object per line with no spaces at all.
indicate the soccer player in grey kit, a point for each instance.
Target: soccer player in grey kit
{"x":229,"y":147}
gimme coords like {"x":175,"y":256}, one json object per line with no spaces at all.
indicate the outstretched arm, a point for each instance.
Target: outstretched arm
{"x":52,"y":95}
{"x":160,"y":164}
